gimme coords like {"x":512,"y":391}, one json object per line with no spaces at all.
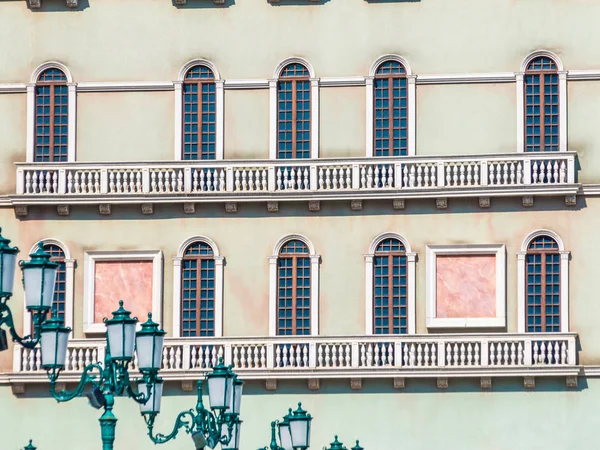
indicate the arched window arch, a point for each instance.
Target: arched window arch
{"x":293,"y":112}
{"x":199,"y":98}
{"x":543,"y":284}
{"x":51,"y":116}
{"x":63,"y":289}
{"x":294,"y":288}
{"x":199,"y":114}
{"x":390,"y":281}
{"x":541,"y":88}
{"x":390,"y":88}
{"x":198,"y":289}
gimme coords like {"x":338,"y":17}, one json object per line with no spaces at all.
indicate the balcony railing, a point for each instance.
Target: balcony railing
{"x":339,"y":357}
{"x":496,"y":173}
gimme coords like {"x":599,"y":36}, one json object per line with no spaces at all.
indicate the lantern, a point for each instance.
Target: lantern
{"x":234,"y":442}
{"x":220,"y":386}
{"x":284,"y":432}
{"x":8,"y":262}
{"x":120,"y":334}
{"x":53,"y":343}
{"x":152,"y":406}
{"x":149,"y":346}
{"x":300,"y":428}
{"x":39,"y":278}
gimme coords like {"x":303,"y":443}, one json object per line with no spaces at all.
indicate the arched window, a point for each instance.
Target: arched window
{"x":199,"y":114}
{"x":198,"y":291}
{"x":390,"y":110}
{"x":543,"y":285}
{"x":51,"y":117}
{"x":293,"y":289}
{"x":293,"y":112}
{"x":390,"y":293}
{"x":542,"y":106}
{"x":390,"y":286}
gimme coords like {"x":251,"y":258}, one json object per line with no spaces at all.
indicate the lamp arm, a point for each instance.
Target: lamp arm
{"x":86,"y":377}
{"x":140,"y":397}
{"x":6,"y":318}
{"x":180,"y":422}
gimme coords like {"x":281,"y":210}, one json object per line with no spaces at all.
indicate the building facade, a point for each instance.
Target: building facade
{"x":384,"y":209}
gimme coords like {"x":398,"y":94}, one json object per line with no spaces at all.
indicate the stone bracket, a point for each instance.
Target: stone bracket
{"x":356,"y":205}
{"x":399,"y":203}
{"x":63,"y":210}
{"x":314,"y":205}
{"x":273,"y":206}
{"x":571,"y":382}
{"x":187,"y":385}
{"x":527,"y":201}
{"x":485,"y":202}
{"x":356,"y":384}
{"x":485,"y":382}
{"x":571,"y":200}
{"x":399,"y":382}
{"x":231,"y":207}
{"x":314,"y":384}
{"x":529,"y":382}
{"x":441,"y":203}
{"x":105,"y":209}
{"x":21,"y":210}
{"x":147,"y":209}
{"x":189,"y":208}
{"x":442,"y":383}
{"x":271,"y":385}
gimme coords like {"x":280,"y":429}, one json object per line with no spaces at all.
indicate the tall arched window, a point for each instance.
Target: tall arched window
{"x":542,"y":105}
{"x":199,"y":114}
{"x":293,"y":289}
{"x":198,"y":291}
{"x":293,"y":112}
{"x":390,"y":110}
{"x":51,"y":117}
{"x":390,"y":292}
{"x":543,"y":261}
{"x":60,"y":288}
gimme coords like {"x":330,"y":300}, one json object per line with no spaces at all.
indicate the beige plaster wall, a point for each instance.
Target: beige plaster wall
{"x":12,"y":138}
{"x":247,"y":238}
{"x":246,"y":124}
{"x":342,"y":124}
{"x":583,"y":119}
{"x":125,"y":126}
{"x":466,"y":119}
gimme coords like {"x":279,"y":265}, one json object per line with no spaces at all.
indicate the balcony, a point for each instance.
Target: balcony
{"x":515,"y":174}
{"x":342,"y":357}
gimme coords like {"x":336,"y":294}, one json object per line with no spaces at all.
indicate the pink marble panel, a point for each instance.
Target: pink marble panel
{"x":130,"y":281}
{"x":466,"y":286}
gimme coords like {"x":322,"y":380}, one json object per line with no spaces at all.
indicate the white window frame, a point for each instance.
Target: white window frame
{"x":219,"y":263}
{"x":219,"y":105}
{"x":411,"y":261}
{"x":69,"y":285}
{"x":314,"y":283}
{"x":314,"y":107}
{"x":497,"y":250}
{"x":564,"y":280}
{"x":90,"y":259}
{"x":562,"y":99}
{"x":411,"y":93}
{"x":72,"y":110}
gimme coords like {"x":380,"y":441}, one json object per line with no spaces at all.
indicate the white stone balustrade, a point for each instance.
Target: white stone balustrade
{"x":362,"y":356}
{"x":278,"y":177}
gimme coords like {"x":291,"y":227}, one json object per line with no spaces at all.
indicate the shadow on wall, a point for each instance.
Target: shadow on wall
{"x":58,"y":6}
{"x":203,"y":4}
{"x":297,"y":2}
{"x":339,"y":208}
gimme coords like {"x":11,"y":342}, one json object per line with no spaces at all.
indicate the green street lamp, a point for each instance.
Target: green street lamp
{"x":111,"y":379}
{"x":39,"y":277}
{"x":294,"y":433}
{"x":219,"y":425}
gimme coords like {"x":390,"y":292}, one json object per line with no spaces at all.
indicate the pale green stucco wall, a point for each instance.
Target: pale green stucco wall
{"x":342,"y":124}
{"x":247,"y":124}
{"x":247,"y":238}
{"x":421,"y":417}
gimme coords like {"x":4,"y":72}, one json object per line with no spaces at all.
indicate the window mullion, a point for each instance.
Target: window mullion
{"x":294,"y":118}
{"x":51,"y":123}
{"x":390,"y":295}
{"x":543,"y":303}
{"x":198,"y":297}
{"x":542,"y":112}
{"x":294,"y":296}
{"x":391,"y":116}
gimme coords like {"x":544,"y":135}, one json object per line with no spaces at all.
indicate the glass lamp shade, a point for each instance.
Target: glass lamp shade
{"x":53,"y":343}
{"x":149,"y":345}
{"x":235,"y":402}
{"x":300,"y":428}
{"x":234,"y":442}
{"x":285,"y":438}
{"x":220,"y":386}
{"x":8,"y":262}
{"x":39,"y":278}
{"x":120,"y":334}
{"x":152,"y":406}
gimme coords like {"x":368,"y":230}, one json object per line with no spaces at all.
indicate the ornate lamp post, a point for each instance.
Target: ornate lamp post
{"x":294,"y":433}
{"x":39,"y":276}
{"x":219,"y":425}
{"x":111,"y":378}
